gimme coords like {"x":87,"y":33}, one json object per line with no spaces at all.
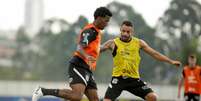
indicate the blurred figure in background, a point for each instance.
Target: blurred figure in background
{"x":83,"y":63}
{"x":126,"y":57}
{"x":191,"y":78}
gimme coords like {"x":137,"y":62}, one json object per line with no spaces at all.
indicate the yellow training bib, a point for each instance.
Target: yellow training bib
{"x":127,"y":58}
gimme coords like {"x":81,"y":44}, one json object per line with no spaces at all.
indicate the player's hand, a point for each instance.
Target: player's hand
{"x":178,"y":96}
{"x":91,"y":60}
{"x":176,"y":63}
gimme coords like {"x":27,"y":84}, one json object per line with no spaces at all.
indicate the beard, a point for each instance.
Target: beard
{"x":125,"y":38}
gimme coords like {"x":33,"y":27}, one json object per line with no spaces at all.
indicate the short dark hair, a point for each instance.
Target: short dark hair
{"x":102,"y":12}
{"x":127,"y":23}
{"x":192,"y":55}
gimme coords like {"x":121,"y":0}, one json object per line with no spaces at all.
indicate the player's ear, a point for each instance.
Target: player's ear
{"x":132,"y":30}
{"x":120,"y":29}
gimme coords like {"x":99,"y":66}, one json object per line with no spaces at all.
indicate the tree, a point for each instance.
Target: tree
{"x":179,"y":29}
{"x":56,"y":47}
{"x":21,"y":57}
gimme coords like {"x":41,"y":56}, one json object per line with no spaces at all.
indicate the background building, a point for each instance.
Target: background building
{"x":34,"y":16}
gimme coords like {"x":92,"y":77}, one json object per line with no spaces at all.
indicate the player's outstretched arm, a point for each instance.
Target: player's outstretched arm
{"x":179,"y":86}
{"x":107,"y":45}
{"x":157,"y":55}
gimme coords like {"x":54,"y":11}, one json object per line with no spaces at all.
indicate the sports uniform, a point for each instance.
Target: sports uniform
{"x":79,"y":71}
{"x":192,"y":83}
{"x":125,"y":74}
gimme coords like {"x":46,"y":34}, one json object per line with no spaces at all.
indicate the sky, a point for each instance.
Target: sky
{"x":12,"y":11}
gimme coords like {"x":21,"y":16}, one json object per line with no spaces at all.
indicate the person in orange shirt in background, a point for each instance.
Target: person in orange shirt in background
{"x":191,"y":80}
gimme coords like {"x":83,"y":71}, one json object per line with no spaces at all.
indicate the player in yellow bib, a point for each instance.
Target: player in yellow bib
{"x":126,"y":57}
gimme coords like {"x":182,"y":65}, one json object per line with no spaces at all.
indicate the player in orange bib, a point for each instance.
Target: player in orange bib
{"x":191,"y":79}
{"x":82,"y":63}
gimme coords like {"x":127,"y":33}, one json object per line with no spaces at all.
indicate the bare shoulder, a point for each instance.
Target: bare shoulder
{"x":142,"y":43}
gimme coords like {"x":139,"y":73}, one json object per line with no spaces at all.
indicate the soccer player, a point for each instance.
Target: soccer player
{"x":191,"y":79}
{"x":83,"y":62}
{"x":126,"y":58}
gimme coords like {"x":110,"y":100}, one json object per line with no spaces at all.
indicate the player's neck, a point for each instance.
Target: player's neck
{"x":192,"y":66}
{"x":95,"y":24}
{"x":126,"y":40}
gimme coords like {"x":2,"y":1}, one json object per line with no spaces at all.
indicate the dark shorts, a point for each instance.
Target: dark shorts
{"x":191,"y":97}
{"x":82,"y":75}
{"x":134,"y":86}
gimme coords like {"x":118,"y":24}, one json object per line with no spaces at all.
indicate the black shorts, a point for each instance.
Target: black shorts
{"x":191,"y":97}
{"x":134,"y":86}
{"x":82,"y":75}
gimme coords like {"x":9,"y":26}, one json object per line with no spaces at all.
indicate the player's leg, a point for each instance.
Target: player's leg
{"x":91,"y":89}
{"x":92,"y":94}
{"x":112,"y":93}
{"x":196,"y":97}
{"x":75,"y":94}
{"x":151,"y":97}
{"x":187,"y":97}
{"x":191,"y":97}
{"x":140,"y":89}
{"x":114,"y":89}
{"x":77,"y":83}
